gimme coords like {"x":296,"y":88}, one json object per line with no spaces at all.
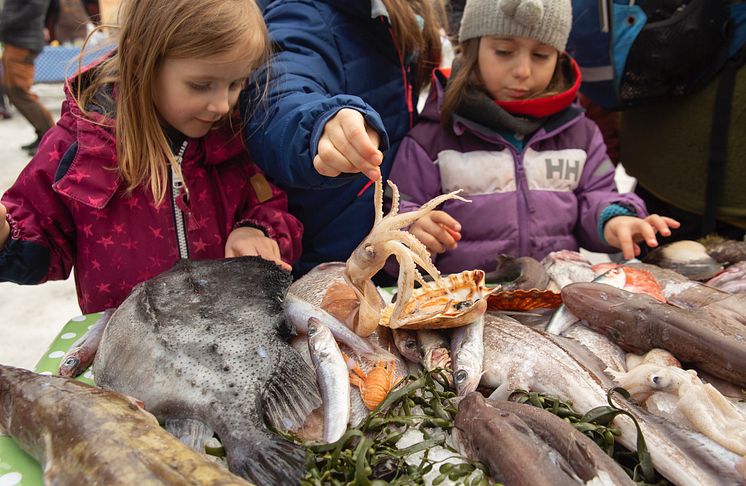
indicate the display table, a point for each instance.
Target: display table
{"x":17,"y":467}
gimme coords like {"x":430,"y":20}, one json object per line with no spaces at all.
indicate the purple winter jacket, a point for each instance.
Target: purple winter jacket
{"x":548,"y":197}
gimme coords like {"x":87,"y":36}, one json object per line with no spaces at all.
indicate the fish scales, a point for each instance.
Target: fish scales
{"x":86,"y":435}
{"x":206,"y":341}
{"x":517,"y":356}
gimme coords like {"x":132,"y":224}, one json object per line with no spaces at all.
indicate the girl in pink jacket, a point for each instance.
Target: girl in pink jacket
{"x":146,"y":164}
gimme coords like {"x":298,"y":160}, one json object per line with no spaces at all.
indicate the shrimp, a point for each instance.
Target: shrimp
{"x":375,"y":385}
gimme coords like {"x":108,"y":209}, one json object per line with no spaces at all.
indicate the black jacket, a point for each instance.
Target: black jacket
{"x":22,"y":23}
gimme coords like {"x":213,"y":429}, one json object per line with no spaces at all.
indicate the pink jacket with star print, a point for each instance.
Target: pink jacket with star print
{"x":69,"y":209}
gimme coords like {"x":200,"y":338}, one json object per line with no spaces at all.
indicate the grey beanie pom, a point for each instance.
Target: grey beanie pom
{"x":547,"y":21}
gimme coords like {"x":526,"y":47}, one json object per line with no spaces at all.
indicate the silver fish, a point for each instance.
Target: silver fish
{"x":332,"y":377}
{"x":467,"y":353}
{"x":406,"y":342}
{"x":564,"y":318}
{"x":80,"y":355}
{"x":565,"y":267}
{"x":517,"y":356}
{"x":298,"y":311}
{"x":206,"y":341}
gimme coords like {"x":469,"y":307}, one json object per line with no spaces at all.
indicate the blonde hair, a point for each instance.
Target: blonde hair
{"x":466,"y":80}
{"x":411,"y":38}
{"x":149,"y":32}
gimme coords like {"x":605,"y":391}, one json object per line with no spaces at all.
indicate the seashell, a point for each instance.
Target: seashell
{"x":523,"y":300}
{"x":686,"y":257}
{"x":458,"y":301}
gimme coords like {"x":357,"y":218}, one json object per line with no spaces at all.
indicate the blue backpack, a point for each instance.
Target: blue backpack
{"x":631,"y":52}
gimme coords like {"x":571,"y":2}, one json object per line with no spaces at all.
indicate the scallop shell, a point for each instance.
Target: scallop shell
{"x":523,"y":300}
{"x":459,"y":302}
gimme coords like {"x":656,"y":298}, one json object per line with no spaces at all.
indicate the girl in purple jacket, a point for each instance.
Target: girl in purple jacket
{"x":504,"y":129}
{"x":146,"y":164}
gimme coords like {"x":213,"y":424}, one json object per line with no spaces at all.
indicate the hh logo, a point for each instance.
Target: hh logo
{"x":564,"y":169}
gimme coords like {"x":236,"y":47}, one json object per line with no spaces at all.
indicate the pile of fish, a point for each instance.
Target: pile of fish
{"x":231,"y":349}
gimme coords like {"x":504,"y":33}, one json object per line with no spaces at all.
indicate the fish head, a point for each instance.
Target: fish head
{"x":465,"y":380}
{"x":604,"y":307}
{"x":318,"y":335}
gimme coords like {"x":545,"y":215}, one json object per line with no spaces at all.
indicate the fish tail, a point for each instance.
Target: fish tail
{"x":270,"y":462}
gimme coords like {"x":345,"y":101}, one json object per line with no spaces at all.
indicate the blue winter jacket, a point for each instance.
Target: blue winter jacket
{"x":332,"y":54}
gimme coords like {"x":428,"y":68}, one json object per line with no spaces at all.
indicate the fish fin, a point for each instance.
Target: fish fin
{"x":617,"y":376}
{"x":502,"y":392}
{"x":291,"y":393}
{"x":268,"y":462}
{"x":191,"y":432}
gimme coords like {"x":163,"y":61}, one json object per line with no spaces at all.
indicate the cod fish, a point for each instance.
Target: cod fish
{"x":639,"y":323}
{"x":526,"y":445}
{"x":206,"y":341}
{"x":85,"y":435}
{"x":517,"y":356}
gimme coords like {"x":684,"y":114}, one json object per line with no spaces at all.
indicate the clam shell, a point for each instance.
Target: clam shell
{"x":460,"y":302}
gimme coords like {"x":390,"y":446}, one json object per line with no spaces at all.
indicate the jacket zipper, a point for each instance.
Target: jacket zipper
{"x":177,"y":185}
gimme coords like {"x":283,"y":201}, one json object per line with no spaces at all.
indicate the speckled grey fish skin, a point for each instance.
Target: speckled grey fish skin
{"x":206,"y":340}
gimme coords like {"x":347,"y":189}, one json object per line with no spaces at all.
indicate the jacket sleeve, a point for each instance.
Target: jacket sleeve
{"x":31,"y":10}
{"x":267,"y":209}
{"x":306,"y":86}
{"x":596,"y":191}
{"x":41,"y":244}
{"x":415,"y":174}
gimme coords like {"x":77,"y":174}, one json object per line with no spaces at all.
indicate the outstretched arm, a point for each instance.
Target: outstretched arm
{"x":303,"y":133}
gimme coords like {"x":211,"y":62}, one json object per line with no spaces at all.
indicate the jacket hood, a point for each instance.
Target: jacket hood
{"x":93,"y":176}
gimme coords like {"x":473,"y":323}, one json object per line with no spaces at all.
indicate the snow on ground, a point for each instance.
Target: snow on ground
{"x":30,"y":316}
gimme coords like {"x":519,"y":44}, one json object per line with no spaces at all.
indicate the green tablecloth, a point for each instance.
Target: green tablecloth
{"x":17,"y":467}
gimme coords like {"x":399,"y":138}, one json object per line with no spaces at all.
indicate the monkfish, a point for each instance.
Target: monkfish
{"x":206,"y":342}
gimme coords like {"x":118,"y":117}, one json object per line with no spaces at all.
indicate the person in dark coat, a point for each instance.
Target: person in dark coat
{"x":22,"y":32}
{"x":343,"y":93}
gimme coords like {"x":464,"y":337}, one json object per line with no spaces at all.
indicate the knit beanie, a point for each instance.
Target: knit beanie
{"x":547,"y":21}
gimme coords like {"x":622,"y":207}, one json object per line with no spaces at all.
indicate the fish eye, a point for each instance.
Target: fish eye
{"x":312,"y":329}
{"x":464,"y":304}
{"x":410,"y":344}
{"x":460,"y":376}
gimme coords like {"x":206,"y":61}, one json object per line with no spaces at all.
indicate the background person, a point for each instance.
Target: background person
{"x":22,"y":33}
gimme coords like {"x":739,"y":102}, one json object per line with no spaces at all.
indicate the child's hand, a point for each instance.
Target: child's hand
{"x":624,"y":232}
{"x":252,"y":242}
{"x":438,"y":231}
{"x":348,"y":145}
{"x":4,"y":226}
